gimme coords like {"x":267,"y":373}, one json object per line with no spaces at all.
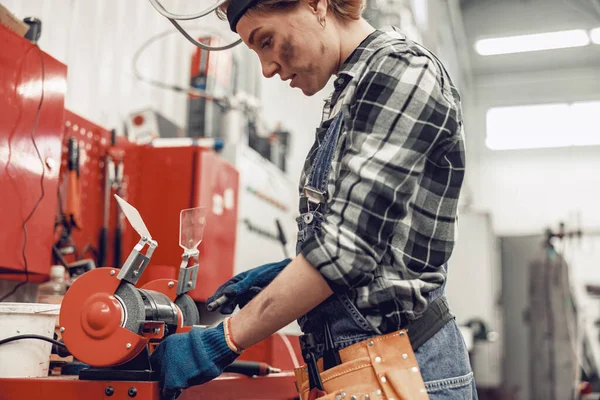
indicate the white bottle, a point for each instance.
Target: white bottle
{"x":52,"y":292}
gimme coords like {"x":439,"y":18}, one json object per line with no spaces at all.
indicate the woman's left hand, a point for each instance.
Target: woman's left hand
{"x":191,"y":358}
{"x":242,"y":288}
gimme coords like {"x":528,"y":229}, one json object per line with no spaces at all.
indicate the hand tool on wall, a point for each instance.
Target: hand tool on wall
{"x":109,"y":177}
{"x":73,"y":211}
{"x":117,"y":185}
{"x":119,"y":226}
{"x":113,"y":182}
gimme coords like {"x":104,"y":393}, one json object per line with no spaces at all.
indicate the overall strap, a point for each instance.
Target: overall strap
{"x":314,"y":194}
{"x":322,"y":162}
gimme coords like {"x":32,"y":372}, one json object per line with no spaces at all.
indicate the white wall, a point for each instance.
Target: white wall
{"x":295,"y":112}
{"x":529,"y":190}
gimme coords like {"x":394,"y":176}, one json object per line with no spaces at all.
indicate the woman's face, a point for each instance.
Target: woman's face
{"x":293,"y":44}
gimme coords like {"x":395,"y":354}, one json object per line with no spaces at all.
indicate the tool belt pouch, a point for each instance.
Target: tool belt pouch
{"x":383,"y":367}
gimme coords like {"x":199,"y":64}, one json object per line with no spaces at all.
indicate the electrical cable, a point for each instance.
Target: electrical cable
{"x":89,"y":248}
{"x":38,"y":337}
{"x":174,"y":17}
{"x":18,"y":120}
{"x":134,"y":66}
{"x":184,"y":17}
{"x":35,"y":125}
{"x":202,"y":45}
{"x":290,"y":349}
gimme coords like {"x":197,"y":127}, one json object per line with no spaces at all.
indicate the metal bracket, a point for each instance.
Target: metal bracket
{"x":188,"y":275}
{"x":136,"y":263}
{"x":314,"y":195}
{"x":153,"y":329}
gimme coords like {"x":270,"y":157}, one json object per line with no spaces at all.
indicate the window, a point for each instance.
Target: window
{"x":543,"y":126}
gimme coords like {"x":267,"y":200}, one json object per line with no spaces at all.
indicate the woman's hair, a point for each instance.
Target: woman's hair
{"x":343,"y":9}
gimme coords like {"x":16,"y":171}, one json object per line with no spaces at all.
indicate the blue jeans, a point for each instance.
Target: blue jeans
{"x":445,"y":366}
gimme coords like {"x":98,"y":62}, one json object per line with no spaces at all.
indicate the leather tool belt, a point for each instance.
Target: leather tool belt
{"x":383,"y":367}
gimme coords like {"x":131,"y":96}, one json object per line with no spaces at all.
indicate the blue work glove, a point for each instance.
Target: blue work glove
{"x":191,"y":358}
{"x":242,"y":288}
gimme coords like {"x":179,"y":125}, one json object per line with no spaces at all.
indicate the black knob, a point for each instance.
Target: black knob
{"x":109,"y":391}
{"x":35,"y":29}
{"x":132,"y":392}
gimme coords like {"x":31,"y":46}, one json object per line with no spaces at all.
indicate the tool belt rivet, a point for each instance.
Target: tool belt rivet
{"x":415,"y":369}
{"x":404,"y":356}
{"x":371,"y":343}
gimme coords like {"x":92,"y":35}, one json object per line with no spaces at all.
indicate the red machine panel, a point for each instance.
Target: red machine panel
{"x":172,"y":179}
{"x":227,"y":387}
{"x":30,"y":80}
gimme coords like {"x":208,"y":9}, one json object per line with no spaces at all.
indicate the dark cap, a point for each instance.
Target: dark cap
{"x":236,"y":10}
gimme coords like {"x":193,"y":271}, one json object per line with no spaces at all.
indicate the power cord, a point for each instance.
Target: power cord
{"x":38,"y":337}
{"x":184,"y":17}
{"x":134,"y":66}
{"x":37,"y":150}
{"x":174,"y":17}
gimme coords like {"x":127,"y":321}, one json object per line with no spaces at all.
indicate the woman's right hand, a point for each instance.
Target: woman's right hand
{"x":242,"y":288}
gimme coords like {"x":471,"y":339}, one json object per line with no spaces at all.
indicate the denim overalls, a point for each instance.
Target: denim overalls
{"x":443,"y":359}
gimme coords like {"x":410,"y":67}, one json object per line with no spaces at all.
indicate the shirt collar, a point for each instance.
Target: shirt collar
{"x":361,"y":54}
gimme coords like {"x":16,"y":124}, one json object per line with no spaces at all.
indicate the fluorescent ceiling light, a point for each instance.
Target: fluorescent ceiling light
{"x":536,"y":42}
{"x":543,"y":126}
{"x":595,"y":35}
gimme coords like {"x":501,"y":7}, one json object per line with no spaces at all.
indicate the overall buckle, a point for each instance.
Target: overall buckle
{"x":314,"y":196}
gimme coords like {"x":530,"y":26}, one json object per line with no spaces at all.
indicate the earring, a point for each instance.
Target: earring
{"x":322,"y":21}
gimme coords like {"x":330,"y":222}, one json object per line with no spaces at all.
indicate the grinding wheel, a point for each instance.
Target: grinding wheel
{"x":188,"y":309}
{"x":133,"y":304}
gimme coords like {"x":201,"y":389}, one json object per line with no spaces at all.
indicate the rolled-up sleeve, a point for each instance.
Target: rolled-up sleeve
{"x":400,"y":114}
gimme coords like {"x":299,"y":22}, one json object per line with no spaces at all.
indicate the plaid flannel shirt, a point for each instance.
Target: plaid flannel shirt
{"x":392,"y":197}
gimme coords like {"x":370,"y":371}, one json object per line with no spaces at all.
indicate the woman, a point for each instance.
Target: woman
{"x":378,"y":205}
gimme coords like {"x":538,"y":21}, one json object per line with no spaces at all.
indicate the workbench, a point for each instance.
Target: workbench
{"x":227,"y":387}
